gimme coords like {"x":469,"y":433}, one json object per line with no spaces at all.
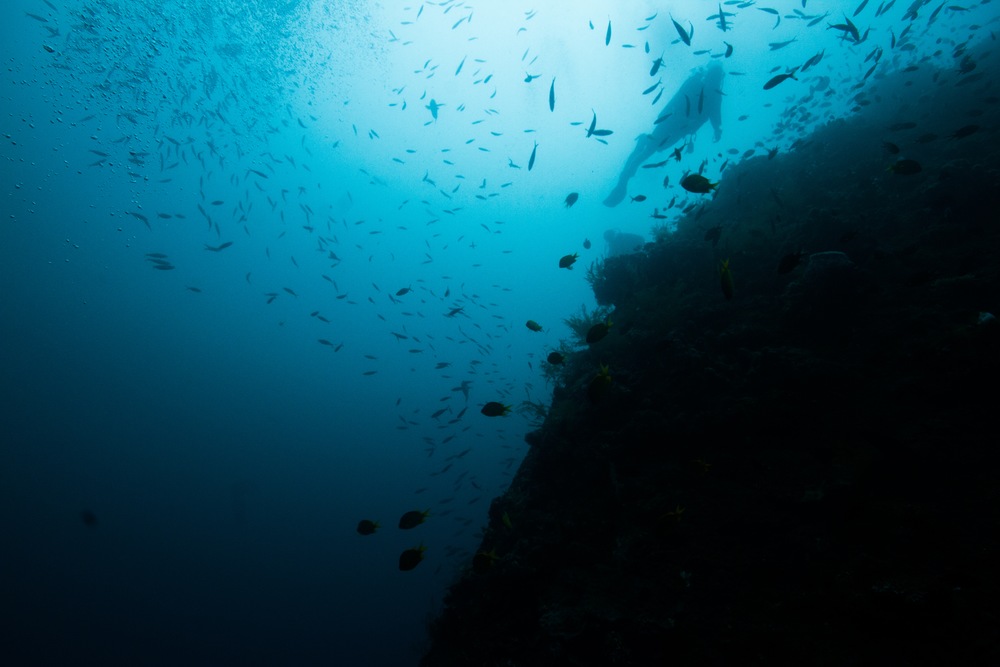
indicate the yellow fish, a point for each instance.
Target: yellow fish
{"x":726,"y":280}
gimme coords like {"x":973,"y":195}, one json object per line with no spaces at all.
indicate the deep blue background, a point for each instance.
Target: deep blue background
{"x":225,"y":452}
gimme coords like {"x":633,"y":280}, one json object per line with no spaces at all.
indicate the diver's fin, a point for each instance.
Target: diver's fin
{"x":616,"y":196}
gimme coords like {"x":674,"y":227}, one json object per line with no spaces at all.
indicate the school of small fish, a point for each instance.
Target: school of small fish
{"x":263,"y":196}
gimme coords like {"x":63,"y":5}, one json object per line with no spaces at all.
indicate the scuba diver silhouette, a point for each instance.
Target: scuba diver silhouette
{"x":698,"y":99}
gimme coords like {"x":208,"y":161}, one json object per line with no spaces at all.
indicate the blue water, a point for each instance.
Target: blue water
{"x":227,"y":452}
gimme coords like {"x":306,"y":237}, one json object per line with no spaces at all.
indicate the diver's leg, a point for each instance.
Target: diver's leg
{"x":644,"y":148}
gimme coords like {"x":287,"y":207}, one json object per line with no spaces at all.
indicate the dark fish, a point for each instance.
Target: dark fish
{"x":963,"y":132}
{"x":697,"y":184}
{"x":607,"y":35}
{"x":656,"y":66}
{"x":814,"y":60}
{"x":780,"y":45}
{"x":890,"y":147}
{"x":639,"y":198}
{"x":410,"y":558}
{"x":218,"y":248}
{"x":777,"y":16}
{"x":788,"y":263}
{"x":780,"y":78}
{"x":552,"y":95}
{"x":722,"y":19}
{"x":567,"y":261}
{"x":433,"y":107}
{"x":817,"y":19}
{"x":848,"y":28}
{"x":597,"y":332}
{"x":495,"y":409}
{"x":860,"y":8}
{"x":586,"y":244}
{"x":685,"y":37}
{"x":367,"y":526}
{"x":531,"y":160}
{"x":571,"y":198}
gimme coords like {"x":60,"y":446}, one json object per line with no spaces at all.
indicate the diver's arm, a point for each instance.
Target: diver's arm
{"x":715,"y":113}
{"x":715,"y":105}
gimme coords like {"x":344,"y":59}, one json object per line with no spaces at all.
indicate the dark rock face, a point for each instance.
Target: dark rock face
{"x":803,"y":475}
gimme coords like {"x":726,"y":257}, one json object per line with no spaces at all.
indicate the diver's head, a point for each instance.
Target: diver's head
{"x":714,"y":74}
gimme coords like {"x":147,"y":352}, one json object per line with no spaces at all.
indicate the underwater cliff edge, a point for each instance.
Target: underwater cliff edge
{"x":804,"y":471}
